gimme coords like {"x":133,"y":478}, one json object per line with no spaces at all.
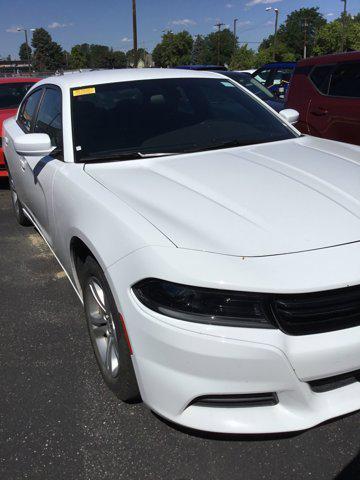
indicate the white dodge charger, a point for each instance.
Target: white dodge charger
{"x":216,"y":250}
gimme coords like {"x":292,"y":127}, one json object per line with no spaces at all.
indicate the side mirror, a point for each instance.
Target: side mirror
{"x":33,"y":144}
{"x":290,"y":115}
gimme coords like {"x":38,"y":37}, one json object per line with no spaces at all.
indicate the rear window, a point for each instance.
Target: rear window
{"x":345,"y":81}
{"x":11,"y":94}
{"x":320,"y":77}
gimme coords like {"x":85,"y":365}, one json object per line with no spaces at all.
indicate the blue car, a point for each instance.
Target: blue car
{"x":275,"y":76}
{"x":247,"y":81}
{"x":212,"y":68}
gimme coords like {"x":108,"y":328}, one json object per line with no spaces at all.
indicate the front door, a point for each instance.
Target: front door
{"x":40,"y":171}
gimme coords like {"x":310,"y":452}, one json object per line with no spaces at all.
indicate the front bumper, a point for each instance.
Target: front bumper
{"x":177,"y":362}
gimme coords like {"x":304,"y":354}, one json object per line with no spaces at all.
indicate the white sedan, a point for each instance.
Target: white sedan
{"x":216,"y":250}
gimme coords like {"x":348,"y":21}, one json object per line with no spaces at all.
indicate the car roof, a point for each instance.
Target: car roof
{"x":203,"y":67}
{"x":96,"y":77}
{"x":332,"y":58}
{"x":278,"y":65}
{"x":19,"y":79}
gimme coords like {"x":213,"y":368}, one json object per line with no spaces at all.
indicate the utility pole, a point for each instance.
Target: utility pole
{"x":276,"y":10}
{"x":305,"y":37}
{"x":235,"y":39}
{"x":27,"y":47}
{"x":218,"y":25}
{"x":344,"y":19}
{"x":135,"y":33}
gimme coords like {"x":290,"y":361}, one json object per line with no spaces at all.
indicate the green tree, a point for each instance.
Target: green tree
{"x":292,"y":31}
{"x":130,"y":56}
{"x":330,"y":36}
{"x":199,"y":54}
{"x":221,"y":43}
{"x":243,"y":58}
{"x":174,"y":49}
{"x":118,"y":59}
{"x":24,"y":52}
{"x":79,"y":56}
{"x":48,"y":55}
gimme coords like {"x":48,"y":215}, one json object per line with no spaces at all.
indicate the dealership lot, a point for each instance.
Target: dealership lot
{"x":58,"y":420}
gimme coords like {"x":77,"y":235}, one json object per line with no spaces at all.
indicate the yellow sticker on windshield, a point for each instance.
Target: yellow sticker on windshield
{"x":83,"y":91}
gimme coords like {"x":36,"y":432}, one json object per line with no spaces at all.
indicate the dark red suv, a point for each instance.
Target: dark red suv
{"x":326,"y":92}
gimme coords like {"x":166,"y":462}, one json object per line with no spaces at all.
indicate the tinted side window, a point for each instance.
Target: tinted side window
{"x":28,"y":110}
{"x":282,"y":75}
{"x":11,"y":94}
{"x":262,"y":76}
{"x":320,"y":77}
{"x":49,"y":116}
{"x":345,"y":81}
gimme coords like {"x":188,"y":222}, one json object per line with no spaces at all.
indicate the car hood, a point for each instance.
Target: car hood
{"x":269,"y":199}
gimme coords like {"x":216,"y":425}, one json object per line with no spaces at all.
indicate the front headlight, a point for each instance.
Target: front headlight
{"x":204,"y":305}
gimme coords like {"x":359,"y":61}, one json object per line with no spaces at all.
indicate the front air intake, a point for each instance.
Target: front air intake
{"x":237,"y":401}
{"x":332,"y":383}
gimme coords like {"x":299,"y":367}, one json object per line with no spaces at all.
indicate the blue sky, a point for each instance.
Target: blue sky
{"x":109,"y":21}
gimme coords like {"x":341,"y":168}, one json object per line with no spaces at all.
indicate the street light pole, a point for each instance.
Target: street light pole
{"x":27,"y":47}
{"x":276,"y":10}
{"x":305,"y":37}
{"x":135,"y":33}
{"x":235,"y":39}
{"x":343,"y":38}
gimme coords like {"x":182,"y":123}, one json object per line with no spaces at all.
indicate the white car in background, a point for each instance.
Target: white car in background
{"x":215,"y":249}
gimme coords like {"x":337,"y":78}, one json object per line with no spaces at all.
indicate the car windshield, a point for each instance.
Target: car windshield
{"x":11,"y":94}
{"x":252,"y":85}
{"x":163,"y":116}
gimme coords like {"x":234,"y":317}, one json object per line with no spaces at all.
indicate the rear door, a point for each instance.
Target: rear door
{"x":334,"y":110}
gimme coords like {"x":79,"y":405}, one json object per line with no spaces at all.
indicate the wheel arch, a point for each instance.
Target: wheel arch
{"x":79,"y":251}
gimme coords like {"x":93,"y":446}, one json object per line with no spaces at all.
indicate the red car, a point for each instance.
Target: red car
{"x":12,"y":91}
{"x":326,"y":92}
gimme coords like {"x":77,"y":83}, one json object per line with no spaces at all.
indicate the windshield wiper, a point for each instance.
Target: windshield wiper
{"x":125,"y":156}
{"x":217,"y":146}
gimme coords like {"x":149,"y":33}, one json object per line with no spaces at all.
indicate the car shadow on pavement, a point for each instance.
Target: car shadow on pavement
{"x":4,"y":183}
{"x":351,"y":471}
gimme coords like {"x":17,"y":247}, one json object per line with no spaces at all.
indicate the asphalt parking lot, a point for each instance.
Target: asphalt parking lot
{"x":59,"y":421}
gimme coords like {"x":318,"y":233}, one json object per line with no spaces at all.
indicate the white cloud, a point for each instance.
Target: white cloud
{"x":60,"y":25}
{"x":12,"y":29}
{"x":126,"y":39}
{"x":229,"y":5}
{"x":184,"y":21}
{"x":329,"y":14}
{"x":244,"y":23}
{"x":268,"y":23}
{"x":258,"y":2}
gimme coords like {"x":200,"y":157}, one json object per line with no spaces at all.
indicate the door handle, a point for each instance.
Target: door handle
{"x":319,"y":112}
{"x":6,"y":141}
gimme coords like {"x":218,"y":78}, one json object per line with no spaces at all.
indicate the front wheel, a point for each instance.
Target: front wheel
{"x":107,"y":333}
{"x":20,"y":216}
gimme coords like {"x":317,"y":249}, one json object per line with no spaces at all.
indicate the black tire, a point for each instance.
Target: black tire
{"x":123,"y":384}
{"x":20,"y":216}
